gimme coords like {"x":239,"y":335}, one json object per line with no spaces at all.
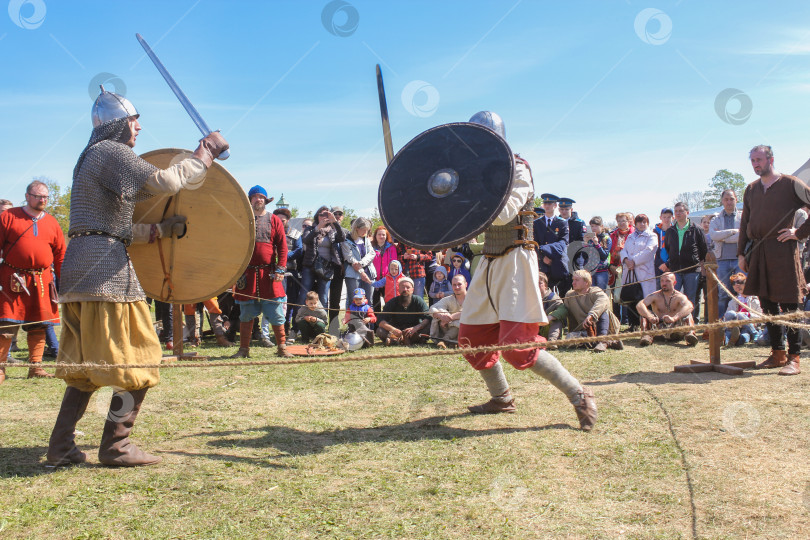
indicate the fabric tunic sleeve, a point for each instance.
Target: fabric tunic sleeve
{"x":521,"y":190}
{"x":187,"y":174}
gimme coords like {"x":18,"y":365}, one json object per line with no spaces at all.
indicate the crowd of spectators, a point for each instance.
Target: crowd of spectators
{"x":408,"y":296}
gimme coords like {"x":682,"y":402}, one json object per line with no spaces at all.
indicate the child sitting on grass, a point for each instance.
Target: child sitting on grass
{"x":311,"y":318}
{"x":741,"y":310}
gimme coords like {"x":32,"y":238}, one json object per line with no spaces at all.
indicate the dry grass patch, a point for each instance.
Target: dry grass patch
{"x":386,"y":449}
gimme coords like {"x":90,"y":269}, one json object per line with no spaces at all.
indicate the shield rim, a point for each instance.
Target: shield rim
{"x":485,"y":225}
{"x":579,"y":244}
{"x":167,"y":254}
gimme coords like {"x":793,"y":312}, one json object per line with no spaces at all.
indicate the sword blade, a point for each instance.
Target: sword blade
{"x":389,"y":145}
{"x":181,"y":96}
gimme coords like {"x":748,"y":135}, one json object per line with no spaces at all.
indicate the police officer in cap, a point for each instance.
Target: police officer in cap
{"x":551,"y":234}
{"x":576,"y":226}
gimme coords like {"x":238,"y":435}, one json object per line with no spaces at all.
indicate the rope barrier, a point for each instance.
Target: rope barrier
{"x":408,"y":353}
{"x":759,"y":315}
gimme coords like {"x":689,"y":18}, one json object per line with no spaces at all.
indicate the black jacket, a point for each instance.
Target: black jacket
{"x":691,"y":253}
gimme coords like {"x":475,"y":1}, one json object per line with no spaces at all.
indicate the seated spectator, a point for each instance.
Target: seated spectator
{"x":440,"y":286}
{"x":589,"y":308}
{"x":446,"y":313}
{"x":670,"y":309}
{"x":555,"y":310}
{"x":390,"y":281}
{"x":458,"y":267}
{"x":311,"y":318}
{"x":360,"y":317}
{"x":404,"y":319}
{"x":745,"y":308}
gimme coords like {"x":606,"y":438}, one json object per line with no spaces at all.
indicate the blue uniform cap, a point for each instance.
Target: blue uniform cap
{"x":549,"y":198}
{"x":565,"y":202}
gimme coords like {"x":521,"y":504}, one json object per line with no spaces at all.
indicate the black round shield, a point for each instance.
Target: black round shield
{"x":446,"y":186}
{"x":582,"y":256}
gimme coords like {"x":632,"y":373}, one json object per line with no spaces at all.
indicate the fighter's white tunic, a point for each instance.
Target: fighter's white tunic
{"x":513,"y":277}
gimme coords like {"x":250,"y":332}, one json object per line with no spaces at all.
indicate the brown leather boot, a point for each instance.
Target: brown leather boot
{"x":776,"y":359}
{"x":792,"y":366}
{"x":281,"y":341}
{"x":36,"y":347}
{"x":245,"y":331}
{"x":504,"y":404}
{"x":219,"y":331}
{"x":586,"y":409}
{"x":62,"y":448}
{"x":116,"y":450}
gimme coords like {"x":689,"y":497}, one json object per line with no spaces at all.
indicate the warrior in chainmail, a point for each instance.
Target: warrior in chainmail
{"x":105,"y":316}
{"x":504,"y":304}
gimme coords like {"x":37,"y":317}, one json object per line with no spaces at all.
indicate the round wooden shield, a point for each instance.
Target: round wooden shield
{"x":219,"y":240}
{"x":446,"y":186}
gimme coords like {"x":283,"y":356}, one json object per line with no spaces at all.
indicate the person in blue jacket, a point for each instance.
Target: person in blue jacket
{"x":551,"y":235}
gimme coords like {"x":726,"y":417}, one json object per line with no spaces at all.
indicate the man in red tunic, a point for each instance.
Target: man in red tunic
{"x":31,"y":242}
{"x":260,"y":291}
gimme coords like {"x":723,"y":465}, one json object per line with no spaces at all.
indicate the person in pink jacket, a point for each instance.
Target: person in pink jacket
{"x":384,"y":253}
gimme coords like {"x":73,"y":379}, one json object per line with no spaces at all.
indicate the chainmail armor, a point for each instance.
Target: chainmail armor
{"x":107,"y":182}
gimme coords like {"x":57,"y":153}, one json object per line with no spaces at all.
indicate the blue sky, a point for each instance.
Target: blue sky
{"x":619,"y":104}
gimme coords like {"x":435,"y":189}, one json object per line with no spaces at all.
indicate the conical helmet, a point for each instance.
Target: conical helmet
{"x":490,"y":120}
{"x":111,"y":106}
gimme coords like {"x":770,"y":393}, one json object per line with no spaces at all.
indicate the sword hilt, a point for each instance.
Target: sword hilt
{"x":224,"y":155}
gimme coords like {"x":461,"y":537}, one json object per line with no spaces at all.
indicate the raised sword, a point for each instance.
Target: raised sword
{"x":190,"y":109}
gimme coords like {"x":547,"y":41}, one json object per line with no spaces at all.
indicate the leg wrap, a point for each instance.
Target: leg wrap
{"x":496,"y":382}
{"x":553,"y":371}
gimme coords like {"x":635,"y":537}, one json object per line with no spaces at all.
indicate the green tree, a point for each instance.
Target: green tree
{"x":375,"y":219}
{"x":58,"y":202}
{"x":721,"y":181}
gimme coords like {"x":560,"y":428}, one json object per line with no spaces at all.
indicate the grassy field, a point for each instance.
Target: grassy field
{"x":386,"y":449}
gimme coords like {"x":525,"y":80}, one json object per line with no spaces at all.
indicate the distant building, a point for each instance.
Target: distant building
{"x":695,"y":217}
{"x":282,"y":203}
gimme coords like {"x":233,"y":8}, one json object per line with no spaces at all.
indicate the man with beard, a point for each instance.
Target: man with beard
{"x":30,"y":241}
{"x":504,"y":306}
{"x":767,"y":250}
{"x":260,"y":291}
{"x":403,"y":319}
{"x":105,"y":316}
{"x":446,"y":313}
{"x":670,"y":309}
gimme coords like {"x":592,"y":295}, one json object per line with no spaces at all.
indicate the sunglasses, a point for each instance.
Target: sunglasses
{"x":738,"y":282}
{"x":457,"y":260}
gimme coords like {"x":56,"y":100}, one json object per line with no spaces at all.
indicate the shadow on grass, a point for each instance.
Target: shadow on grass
{"x":296,"y":442}
{"x":22,"y":461}
{"x":670,"y":377}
